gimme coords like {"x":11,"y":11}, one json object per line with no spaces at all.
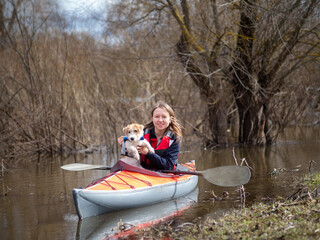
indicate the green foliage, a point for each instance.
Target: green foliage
{"x":312,"y":180}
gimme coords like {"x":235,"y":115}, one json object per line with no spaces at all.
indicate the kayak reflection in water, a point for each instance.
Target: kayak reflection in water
{"x":164,"y":134}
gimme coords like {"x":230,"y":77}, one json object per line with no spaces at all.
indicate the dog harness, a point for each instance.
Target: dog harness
{"x":124,"y":150}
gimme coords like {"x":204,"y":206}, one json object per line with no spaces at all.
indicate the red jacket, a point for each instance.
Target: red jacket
{"x":166,"y":152}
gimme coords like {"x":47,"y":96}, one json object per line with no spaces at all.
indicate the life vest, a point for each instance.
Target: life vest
{"x":165,"y":143}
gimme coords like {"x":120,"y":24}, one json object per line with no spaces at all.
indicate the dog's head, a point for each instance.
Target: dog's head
{"x":133,"y":131}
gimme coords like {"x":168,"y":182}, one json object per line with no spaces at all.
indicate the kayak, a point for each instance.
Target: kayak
{"x":124,"y":223}
{"x":128,"y":187}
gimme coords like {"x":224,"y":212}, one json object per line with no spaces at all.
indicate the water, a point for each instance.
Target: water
{"x":36,"y":200}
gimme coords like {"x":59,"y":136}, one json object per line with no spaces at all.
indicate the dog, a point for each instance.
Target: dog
{"x":134,"y":138}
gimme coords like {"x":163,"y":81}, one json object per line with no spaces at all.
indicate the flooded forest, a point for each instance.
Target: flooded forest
{"x":242,"y":77}
{"x":234,"y":72}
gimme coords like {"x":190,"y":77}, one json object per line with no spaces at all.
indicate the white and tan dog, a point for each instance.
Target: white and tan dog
{"x":134,"y":138}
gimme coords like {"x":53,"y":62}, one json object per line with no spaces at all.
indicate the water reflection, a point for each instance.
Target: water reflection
{"x":36,"y":200}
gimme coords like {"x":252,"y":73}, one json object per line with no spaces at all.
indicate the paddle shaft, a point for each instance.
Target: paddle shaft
{"x":199,"y":173}
{"x":104,"y":168}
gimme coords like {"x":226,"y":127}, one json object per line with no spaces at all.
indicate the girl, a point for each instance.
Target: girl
{"x":164,"y":134}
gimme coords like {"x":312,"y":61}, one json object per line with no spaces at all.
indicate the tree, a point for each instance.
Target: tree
{"x":242,"y":51}
{"x":266,"y":56}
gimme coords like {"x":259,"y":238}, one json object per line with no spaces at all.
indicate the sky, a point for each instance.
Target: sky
{"x":81,"y":6}
{"x":84,"y":15}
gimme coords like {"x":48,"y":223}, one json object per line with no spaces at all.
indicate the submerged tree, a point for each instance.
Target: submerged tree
{"x":237,"y":51}
{"x":274,"y":40}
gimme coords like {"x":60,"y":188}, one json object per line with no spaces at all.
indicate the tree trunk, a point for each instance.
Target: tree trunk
{"x":251,"y":121}
{"x":218,"y":124}
{"x":267,"y":129}
{"x":210,"y":94}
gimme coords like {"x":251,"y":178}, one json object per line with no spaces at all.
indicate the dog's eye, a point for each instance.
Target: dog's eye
{"x":129,"y":132}
{"x":135,"y":131}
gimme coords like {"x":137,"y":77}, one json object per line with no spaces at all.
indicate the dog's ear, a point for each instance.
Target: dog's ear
{"x":140,"y":127}
{"x":125,"y":130}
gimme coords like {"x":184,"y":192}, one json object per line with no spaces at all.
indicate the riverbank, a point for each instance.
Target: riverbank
{"x":294,"y":217}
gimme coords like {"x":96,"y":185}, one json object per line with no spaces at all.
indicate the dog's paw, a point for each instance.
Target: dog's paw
{"x":136,"y":156}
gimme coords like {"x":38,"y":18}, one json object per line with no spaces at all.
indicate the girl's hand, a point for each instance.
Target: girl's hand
{"x":142,"y":150}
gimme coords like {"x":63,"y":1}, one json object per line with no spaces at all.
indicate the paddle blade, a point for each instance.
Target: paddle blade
{"x":227,"y":176}
{"x":82,"y":167}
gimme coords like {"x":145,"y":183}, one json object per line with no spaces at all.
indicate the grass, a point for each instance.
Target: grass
{"x":296,"y":217}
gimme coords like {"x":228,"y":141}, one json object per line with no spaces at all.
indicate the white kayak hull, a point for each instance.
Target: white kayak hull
{"x":92,"y":203}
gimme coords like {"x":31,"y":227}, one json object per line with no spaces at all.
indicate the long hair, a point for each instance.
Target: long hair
{"x":174,"y":126}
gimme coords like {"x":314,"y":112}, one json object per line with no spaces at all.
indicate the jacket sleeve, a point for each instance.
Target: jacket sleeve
{"x":168,"y":160}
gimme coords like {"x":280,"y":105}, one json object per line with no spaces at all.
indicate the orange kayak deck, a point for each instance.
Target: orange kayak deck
{"x":130,"y":179}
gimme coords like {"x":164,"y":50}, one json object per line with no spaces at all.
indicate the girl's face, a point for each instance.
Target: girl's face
{"x":161,"y":120}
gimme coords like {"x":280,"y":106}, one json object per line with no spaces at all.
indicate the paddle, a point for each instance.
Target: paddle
{"x":82,"y":167}
{"x":225,"y":176}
